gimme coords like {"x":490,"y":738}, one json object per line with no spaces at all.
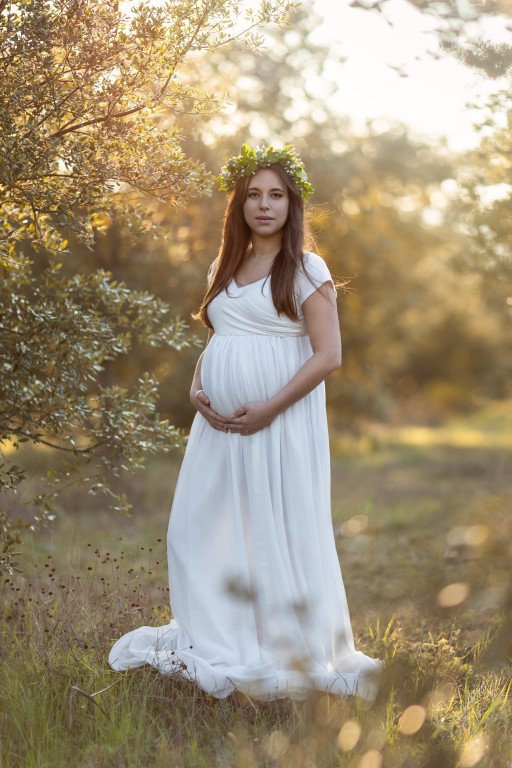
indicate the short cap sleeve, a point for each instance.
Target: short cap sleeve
{"x":317,"y":274}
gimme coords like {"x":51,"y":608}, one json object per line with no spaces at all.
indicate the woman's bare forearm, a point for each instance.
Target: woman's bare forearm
{"x":256,"y":415}
{"x":309,"y":376}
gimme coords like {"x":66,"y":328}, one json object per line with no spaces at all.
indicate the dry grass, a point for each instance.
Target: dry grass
{"x":424,"y":534}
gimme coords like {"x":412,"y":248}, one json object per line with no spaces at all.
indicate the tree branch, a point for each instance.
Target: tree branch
{"x":58,"y":106}
{"x":103,"y":119}
{"x":61,"y":447}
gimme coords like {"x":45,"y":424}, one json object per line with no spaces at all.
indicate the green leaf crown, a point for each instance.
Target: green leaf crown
{"x":249,"y":160}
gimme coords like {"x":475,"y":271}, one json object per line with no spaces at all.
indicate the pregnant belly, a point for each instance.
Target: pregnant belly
{"x":236,"y":370}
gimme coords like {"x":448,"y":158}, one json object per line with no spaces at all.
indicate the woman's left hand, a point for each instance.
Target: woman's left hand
{"x":250,"y":418}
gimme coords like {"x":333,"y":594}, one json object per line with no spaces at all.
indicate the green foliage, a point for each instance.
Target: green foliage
{"x":83,"y":88}
{"x":56,"y":334}
{"x":249,"y":160}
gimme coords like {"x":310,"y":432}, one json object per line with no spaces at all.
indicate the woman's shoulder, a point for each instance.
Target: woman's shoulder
{"x":314,"y":274}
{"x":314,"y":261}
{"x":315,"y":265}
{"x":312,"y":258}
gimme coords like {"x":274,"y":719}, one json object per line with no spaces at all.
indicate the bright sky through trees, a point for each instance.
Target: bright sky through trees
{"x":396,"y":71}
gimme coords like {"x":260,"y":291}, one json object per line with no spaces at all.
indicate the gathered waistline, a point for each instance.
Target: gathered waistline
{"x":261,"y":335}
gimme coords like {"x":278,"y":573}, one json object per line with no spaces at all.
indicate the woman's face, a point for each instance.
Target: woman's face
{"x":266,"y":203}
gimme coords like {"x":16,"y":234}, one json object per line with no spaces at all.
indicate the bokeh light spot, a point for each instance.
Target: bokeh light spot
{"x":354,"y":526}
{"x":476,"y":535}
{"x":371,"y":759}
{"x":467,"y":535}
{"x":439,"y":697}
{"x":412,"y":719}
{"x":349,"y":735}
{"x":473,"y":751}
{"x":453,"y":594}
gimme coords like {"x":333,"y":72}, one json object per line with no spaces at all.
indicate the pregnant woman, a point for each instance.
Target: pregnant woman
{"x":255,"y":584}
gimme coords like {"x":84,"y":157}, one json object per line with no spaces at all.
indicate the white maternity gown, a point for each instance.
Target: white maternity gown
{"x":255,"y":583}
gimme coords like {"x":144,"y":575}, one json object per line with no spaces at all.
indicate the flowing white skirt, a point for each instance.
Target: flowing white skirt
{"x":255,"y":582}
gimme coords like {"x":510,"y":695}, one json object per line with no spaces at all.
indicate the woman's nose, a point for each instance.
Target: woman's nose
{"x":263,"y":202}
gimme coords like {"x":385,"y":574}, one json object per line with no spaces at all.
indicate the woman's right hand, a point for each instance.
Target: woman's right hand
{"x":202,"y":404}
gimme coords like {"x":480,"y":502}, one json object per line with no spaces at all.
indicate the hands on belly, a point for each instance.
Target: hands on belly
{"x":250,"y":418}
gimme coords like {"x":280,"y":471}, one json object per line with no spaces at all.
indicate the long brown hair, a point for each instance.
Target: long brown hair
{"x":236,"y":238}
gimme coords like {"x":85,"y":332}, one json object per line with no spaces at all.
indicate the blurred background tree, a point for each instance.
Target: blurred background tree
{"x":460,"y":27}
{"x":422,"y":335}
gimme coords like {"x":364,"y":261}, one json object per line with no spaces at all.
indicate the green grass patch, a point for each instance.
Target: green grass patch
{"x":423,"y":531}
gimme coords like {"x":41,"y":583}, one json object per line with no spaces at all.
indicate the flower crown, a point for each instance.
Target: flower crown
{"x":249,"y":160}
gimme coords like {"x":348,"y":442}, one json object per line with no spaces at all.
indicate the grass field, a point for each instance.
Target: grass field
{"x":423,"y":521}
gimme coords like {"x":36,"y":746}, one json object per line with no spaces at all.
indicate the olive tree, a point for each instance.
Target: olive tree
{"x":90,"y":98}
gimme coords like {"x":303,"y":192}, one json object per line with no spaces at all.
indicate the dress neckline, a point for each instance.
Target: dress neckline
{"x":247,"y":285}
